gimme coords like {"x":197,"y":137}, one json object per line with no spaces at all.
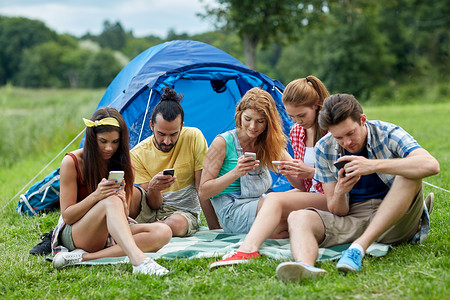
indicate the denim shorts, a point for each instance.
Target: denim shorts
{"x":236,"y":215}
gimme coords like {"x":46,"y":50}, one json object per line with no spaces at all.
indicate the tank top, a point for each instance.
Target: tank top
{"x":81,"y":185}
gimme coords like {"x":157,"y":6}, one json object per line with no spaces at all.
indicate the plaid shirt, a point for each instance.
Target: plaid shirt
{"x":298,"y":138}
{"x":384,"y":141}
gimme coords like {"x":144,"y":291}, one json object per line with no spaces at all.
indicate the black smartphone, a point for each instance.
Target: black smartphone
{"x":340,"y":164}
{"x":169,"y":172}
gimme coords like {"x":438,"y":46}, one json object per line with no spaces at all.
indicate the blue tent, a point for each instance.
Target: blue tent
{"x":211,"y":81}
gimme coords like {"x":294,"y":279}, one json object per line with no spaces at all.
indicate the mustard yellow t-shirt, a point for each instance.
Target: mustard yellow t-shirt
{"x":186,"y":157}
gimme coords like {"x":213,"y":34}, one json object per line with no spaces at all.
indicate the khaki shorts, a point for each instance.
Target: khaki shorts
{"x":346,"y":229}
{"x":149,"y":215}
{"x":65,"y":237}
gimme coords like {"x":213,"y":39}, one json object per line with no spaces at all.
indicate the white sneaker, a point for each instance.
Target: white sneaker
{"x":150,"y":267}
{"x":296,"y":271}
{"x":64,"y":259}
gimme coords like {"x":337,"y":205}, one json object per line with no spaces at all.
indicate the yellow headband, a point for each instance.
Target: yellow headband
{"x":105,"y":121}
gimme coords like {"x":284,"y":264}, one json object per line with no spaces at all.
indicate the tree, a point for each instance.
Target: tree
{"x":40,"y":66}
{"x":73,"y":63}
{"x":261,"y":21}
{"x":16,"y":35}
{"x":100,"y":70}
{"x":113,"y":36}
{"x":357,"y":55}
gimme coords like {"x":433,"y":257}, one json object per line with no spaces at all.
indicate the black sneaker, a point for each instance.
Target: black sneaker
{"x":44,"y":247}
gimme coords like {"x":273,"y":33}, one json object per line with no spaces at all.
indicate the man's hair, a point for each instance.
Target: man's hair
{"x":169,"y":107}
{"x":338,"y":108}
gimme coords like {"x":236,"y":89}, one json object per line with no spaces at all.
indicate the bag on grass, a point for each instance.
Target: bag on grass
{"x":43,"y":196}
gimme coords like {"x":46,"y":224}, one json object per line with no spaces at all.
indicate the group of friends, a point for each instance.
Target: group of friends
{"x":354,"y":181}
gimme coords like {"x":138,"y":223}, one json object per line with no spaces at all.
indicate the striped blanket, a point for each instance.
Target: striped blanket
{"x":215,"y":243}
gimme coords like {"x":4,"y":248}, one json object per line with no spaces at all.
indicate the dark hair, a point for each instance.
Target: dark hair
{"x":169,"y":107}
{"x":338,"y":108}
{"x":307,"y":91}
{"x":94,"y":168}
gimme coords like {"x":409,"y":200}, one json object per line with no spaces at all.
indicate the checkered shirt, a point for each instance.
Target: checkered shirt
{"x":384,"y":141}
{"x":298,"y":138}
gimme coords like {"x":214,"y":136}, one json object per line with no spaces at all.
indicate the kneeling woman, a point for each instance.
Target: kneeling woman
{"x":93,"y":222}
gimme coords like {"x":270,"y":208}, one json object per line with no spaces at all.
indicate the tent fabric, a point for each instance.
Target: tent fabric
{"x":211,"y":81}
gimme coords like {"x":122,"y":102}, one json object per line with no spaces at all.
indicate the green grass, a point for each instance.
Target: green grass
{"x":48,"y":119}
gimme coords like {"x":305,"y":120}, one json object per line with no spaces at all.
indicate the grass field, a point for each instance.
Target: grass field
{"x":36,"y":124}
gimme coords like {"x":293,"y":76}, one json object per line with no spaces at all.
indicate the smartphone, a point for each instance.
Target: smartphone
{"x":116,"y":176}
{"x":276,"y":162}
{"x":340,"y":164}
{"x":169,"y":172}
{"x":250,"y":154}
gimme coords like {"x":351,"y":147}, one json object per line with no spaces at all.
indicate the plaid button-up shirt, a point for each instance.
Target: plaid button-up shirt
{"x":298,"y":137}
{"x":384,"y":141}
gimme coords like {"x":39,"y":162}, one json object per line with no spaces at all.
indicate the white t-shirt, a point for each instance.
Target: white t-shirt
{"x":309,"y":161}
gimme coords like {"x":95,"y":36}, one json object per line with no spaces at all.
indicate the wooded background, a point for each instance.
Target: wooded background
{"x":354,"y":46}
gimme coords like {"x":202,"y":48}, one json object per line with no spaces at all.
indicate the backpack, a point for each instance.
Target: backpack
{"x":43,"y":196}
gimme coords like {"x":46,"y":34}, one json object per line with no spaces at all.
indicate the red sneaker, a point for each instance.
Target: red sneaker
{"x":234,"y":258}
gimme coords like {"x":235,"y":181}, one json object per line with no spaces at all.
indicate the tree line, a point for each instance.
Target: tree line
{"x":352,"y":45}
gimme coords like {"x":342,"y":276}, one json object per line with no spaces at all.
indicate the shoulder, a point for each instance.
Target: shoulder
{"x":379,"y":129}
{"x":297,"y":129}
{"x":326,"y":141}
{"x":381,"y":125}
{"x":145,"y":144}
{"x":68,"y":163}
{"x":191,"y":131}
{"x":69,"y":158}
{"x":218,"y":145}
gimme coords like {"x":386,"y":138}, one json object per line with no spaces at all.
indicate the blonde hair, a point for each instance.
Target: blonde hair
{"x":307,"y":91}
{"x":272,"y":141}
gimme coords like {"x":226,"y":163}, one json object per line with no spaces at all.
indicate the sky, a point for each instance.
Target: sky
{"x":142,"y":17}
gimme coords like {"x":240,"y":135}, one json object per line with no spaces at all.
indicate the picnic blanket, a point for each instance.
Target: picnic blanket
{"x":215,"y":243}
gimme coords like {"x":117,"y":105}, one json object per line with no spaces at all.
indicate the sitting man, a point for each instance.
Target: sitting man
{"x":375,"y":197}
{"x":166,"y":198}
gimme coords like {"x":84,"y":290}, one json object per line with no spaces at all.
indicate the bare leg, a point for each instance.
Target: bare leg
{"x":108,"y":215}
{"x":178,"y":224}
{"x":135,"y":203}
{"x":394,"y":206}
{"x":306,"y":231}
{"x":273,"y":213}
{"x":148,"y":238}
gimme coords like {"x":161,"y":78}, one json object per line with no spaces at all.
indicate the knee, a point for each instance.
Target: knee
{"x":111,"y":202}
{"x":178,"y":224}
{"x":272,"y":200}
{"x":162,"y":231}
{"x":157,"y":235}
{"x":301,"y":218}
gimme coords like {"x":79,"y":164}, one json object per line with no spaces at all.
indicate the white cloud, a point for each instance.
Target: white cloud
{"x":143,"y":17}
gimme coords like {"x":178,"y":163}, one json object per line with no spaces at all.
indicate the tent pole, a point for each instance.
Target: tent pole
{"x":18,"y":193}
{"x":145,"y":115}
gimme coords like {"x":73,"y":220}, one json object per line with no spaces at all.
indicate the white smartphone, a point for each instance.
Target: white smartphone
{"x":250,"y":154}
{"x":116,"y":176}
{"x":169,"y":172}
{"x":276,"y":162}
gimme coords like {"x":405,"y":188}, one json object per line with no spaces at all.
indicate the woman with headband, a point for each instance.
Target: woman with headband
{"x":94,"y":211}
